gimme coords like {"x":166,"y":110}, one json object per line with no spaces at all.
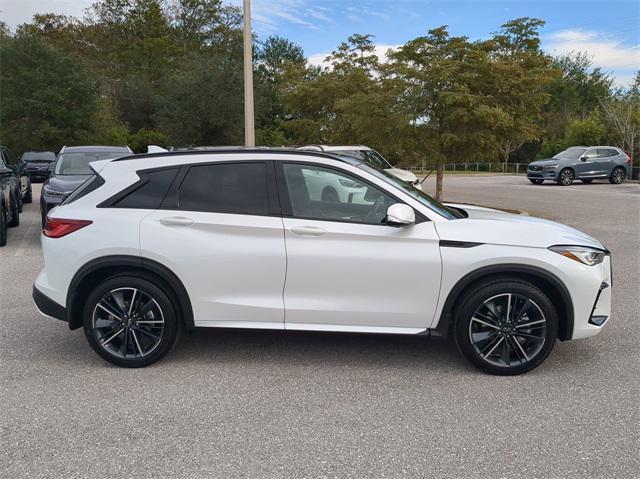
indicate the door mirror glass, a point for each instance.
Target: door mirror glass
{"x":400,"y":214}
{"x":583,"y":158}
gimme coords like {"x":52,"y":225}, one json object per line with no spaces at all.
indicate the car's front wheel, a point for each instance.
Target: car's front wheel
{"x":506,"y":326}
{"x":566,"y":177}
{"x":617,"y":175}
{"x":15,"y":215}
{"x":130,"y":321}
{"x":535,"y":181}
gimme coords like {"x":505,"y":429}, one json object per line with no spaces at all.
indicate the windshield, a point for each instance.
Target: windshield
{"x":372,"y":157}
{"x":571,"y":153}
{"x":78,"y":163}
{"x":38,"y":156}
{"x":415,"y":193}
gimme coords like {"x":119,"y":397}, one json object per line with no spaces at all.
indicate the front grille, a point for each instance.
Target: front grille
{"x":535,"y":168}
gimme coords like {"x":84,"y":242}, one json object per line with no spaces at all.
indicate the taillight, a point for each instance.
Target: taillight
{"x":58,"y":227}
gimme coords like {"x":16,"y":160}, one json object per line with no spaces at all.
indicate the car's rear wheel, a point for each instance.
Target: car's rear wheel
{"x":535,"y":181}
{"x":617,"y":175}
{"x":566,"y":177}
{"x":587,"y":180}
{"x":130,"y":321}
{"x":506,"y":326}
{"x":28,"y":197}
{"x":3,"y":226}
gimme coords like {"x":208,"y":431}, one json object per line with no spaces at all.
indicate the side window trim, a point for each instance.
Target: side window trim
{"x":144,"y":179}
{"x":285,"y":200}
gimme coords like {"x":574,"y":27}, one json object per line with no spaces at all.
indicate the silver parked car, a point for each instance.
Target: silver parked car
{"x":584,"y":163}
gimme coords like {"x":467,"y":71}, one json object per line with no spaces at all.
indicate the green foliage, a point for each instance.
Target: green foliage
{"x":590,"y":131}
{"x":48,"y":96}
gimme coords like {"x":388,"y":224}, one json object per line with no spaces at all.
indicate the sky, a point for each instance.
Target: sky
{"x":608,"y":31}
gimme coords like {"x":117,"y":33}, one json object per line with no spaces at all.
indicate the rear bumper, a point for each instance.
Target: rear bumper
{"x":48,"y":307}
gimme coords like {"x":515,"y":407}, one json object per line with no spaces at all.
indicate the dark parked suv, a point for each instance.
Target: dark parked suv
{"x":584,"y":163}
{"x":38,"y":164}
{"x":10,"y":198}
{"x":71,"y":169}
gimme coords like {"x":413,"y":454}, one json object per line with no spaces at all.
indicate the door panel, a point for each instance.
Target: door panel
{"x":588,"y":167}
{"x":233,"y":266}
{"x":356,"y":277}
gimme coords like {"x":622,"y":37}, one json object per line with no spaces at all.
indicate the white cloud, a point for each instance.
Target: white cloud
{"x":604,"y":51}
{"x":318,"y":59}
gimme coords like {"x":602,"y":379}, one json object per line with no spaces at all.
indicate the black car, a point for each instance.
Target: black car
{"x":10,"y":197}
{"x":71,"y":169}
{"x":38,"y":164}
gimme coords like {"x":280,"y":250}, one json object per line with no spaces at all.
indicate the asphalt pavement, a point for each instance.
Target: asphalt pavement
{"x":228,"y":403}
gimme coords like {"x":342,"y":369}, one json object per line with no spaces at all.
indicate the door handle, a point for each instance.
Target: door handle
{"x":307,"y":231}
{"x":176,"y":221}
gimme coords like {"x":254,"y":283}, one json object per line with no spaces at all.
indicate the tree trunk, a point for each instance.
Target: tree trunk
{"x":439,"y":178}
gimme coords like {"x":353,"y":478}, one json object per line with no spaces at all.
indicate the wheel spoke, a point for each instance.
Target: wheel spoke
{"x":104,"y":343}
{"x":491,"y":307}
{"x":530,"y":323}
{"x":147,"y":333}
{"x":528,"y":336}
{"x":135,"y":338}
{"x":505,"y":355}
{"x":485,"y":323}
{"x":102,"y":304}
{"x":119,"y":301}
{"x":125,"y":343}
{"x":520,"y":348}
{"x":508,"y":307}
{"x":494,"y":347}
{"x":146,"y":308}
{"x":133,"y":300}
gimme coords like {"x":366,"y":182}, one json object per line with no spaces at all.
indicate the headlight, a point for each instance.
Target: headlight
{"x":582,"y":254}
{"x":51,"y":192}
{"x":551,"y":167}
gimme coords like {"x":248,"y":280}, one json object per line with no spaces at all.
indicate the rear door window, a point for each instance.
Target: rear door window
{"x":235,"y":188}
{"x":151,"y":190}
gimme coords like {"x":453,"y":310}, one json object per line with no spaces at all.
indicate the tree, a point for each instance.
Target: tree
{"x":48,"y":97}
{"x":623,"y":117}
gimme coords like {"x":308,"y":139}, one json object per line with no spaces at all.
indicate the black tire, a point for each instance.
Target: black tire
{"x":137,"y":345}
{"x":587,"y":180}
{"x":536,"y":318}
{"x":617,"y":175}
{"x":566,"y":177}
{"x":28,"y":198}
{"x":330,"y":194}
{"x":15,"y":220}
{"x":535,"y":181}
{"x":3,"y":226}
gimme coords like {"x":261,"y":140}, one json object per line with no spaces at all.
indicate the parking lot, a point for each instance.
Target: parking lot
{"x":228,"y":403}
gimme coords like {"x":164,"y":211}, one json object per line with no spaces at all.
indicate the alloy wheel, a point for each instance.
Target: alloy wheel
{"x":566,"y":177}
{"x":618,"y":176}
{"x":508,"y":330}
{"x":128,"y":323}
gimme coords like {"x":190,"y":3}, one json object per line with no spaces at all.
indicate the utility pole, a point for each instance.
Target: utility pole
{"x":249,"y":127}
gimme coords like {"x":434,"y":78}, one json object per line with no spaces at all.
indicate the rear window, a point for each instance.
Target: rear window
{"x":84,"y":189}
{"x":239,"y":188}
{"x":38,"y":156}
{"x":149,"y":193}
{"x":78,"y":163}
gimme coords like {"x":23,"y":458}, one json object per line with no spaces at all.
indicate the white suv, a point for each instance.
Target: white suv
{"x":158,"y":242}
{"x":367,"y":155}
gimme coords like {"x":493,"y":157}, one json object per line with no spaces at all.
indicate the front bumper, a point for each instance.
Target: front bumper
{"x":544,"y":174}
{"x":598,"y":302}
{"x":48,"y":307}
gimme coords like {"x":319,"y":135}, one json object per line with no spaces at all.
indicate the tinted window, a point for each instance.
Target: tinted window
{"x":571,"y":154}
{"x":225,"y":188}
{"x":322,"y":193}
{"x":84,"y":189}
{"x":38,"y":156}
{"x":151,"y":192}
{"x":606,"y":152}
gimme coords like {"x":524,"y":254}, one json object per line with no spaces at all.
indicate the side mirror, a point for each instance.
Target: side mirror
{"x":400,"y":214}
{"x":583,"y":158}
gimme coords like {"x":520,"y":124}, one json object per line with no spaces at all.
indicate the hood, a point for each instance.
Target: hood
{"x":546,"y":162}
{"x":402,"y":174}
{"x":485,"y":225}
{"x":66,"y":183}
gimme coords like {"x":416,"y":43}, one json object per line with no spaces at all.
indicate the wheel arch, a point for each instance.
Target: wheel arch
{"x":99,"y":269}
{"x":549,"y":283}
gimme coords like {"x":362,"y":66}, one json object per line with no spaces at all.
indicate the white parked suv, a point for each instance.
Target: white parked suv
{"x":367,"y":155}
{"x":159,"y":242}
